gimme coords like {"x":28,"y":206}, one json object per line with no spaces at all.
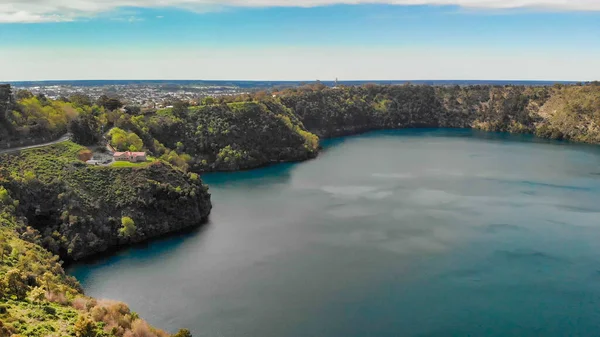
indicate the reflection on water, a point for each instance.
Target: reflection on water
{"x":397,"y":233}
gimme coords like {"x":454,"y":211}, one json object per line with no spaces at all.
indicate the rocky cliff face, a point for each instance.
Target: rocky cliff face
{"x":563,"y":112}
{"x":79,"y":209}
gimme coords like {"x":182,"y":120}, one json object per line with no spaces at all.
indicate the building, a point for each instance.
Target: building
{"x":134,"y":157}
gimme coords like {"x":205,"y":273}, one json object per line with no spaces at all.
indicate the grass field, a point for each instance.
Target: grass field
{"x":128,"y":164}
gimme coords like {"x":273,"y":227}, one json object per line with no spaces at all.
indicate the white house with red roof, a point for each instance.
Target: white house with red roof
{"x":134,"y":157}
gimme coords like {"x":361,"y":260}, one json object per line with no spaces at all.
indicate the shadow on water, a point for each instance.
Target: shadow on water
{"x":452,"y":133}
{"x":277,"y":173}
{"x":148,"y":250}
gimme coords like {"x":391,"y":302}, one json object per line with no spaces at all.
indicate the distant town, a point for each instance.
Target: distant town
{"x":159,"y":94}
{"x":150,"y":96}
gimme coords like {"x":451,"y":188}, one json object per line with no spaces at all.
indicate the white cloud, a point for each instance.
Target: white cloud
{"x":12,"y":11}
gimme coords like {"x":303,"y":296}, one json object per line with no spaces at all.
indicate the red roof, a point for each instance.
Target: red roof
{"x":130,"y":154}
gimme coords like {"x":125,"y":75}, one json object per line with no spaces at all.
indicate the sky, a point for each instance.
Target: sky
{"x":300,"y":39}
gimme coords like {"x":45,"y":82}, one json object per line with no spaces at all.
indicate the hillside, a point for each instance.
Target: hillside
{"x":37,"y":298}
{"x":79,"y":209}
{"x":54,"y":206}
{"x":248,"y":131}
{"x":234,"y":136}
{"x":560,"y":112}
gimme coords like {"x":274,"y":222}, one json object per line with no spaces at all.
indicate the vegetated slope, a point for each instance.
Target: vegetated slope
{"x":247,"y":131}
{"x":350,"y":110}
{"x":37,"y":298}
{"x":227,"y":137}
{"x":81,"y":210}
{"x":572,"y":113}
{"x":560,"y":112}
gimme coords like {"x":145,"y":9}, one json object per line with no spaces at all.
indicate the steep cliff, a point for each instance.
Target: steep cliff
{"x":335,"y":112}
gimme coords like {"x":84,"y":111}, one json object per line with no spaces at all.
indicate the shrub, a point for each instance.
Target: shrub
{"x":183,"y":333}
{"x":49,"y":310}
{"x":128,"y":227}
{"x":85,"y":327}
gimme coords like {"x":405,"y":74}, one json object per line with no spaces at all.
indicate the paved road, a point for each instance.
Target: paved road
{"x":15,"y":149}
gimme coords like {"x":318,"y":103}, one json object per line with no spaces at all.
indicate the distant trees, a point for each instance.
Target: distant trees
{"x":80,"y":100}
{"x":180,"y":108}
{"x":108,"y":103}
{"x":5,"y":98}
{"x":133,"y":109}
{"x":39,"y":117}
{"x":23,"y":94}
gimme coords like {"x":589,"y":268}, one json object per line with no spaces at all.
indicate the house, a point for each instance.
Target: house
{"x":134,"y":157}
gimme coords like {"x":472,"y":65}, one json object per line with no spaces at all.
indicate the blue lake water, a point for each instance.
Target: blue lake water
{"x":399,"y":233}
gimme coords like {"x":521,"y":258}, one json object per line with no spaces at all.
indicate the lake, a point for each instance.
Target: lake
{"x":396,"y":233}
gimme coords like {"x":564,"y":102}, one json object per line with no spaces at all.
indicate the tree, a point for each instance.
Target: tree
{"x":23,"y":94}
{"x":128,"y":227}
{"x":85,"y":327}
{"x":208,"y":101}
{"x":5,"y":100}
{"x":80,"y":100}
{"x":85,"y":129}
{"x":180,"y":108}
{"x":15,"y":283}
{"x":133,"y":109}
{"x":5,"y":247}
{"x":108,"y":103}
{"x":125,"y":141}
{"x":113,"y":104}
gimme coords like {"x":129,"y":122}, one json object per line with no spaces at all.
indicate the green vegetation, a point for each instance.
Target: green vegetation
{"x":53,"y":205}
{"x":118,"y":164}
{"x":128,"y":227}
{"x":37,"y":298}
{"x":231,"y":136}
{"x":77,"y":208}
{"x":122,"y":140}
{"x":233,"y":133}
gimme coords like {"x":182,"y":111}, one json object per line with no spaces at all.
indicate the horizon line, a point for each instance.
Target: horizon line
{"x":296,"y":81}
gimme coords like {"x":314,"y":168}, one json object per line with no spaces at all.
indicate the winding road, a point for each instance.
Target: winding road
{"x":64,"y":138}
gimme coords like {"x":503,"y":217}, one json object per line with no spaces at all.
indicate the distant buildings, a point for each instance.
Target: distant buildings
{"x":133,"y":157}
{"x":149,"y":96}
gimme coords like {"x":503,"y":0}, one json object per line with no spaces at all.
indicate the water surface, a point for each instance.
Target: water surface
{"x":403,"y":233}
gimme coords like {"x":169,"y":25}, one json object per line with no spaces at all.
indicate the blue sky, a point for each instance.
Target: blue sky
{"x":266,"y":42}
